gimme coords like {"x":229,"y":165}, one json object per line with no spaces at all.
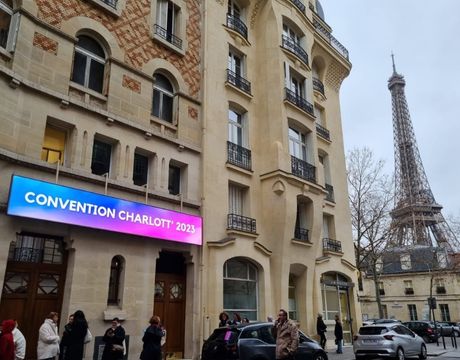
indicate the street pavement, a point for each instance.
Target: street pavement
{"x":434,"y":352}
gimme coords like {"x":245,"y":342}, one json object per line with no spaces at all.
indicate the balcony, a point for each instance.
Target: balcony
{"x":301,"y":234}
{"x":238,"y":81}
{"x":235,"y":23}
{"x":303,"y":169}
{"x":318,"y":85}
{"x":330,"y":192}
{"x":332,"y":245}
{"x":241,"y":223}
{"x":299,"y":5}
{"x":440,"y":290}
{"x":326,"y":35}
{"x":409,"y":291}
{"x":299,"y":101}
{"x":323,"y":132}
{"x":111,"y":3}
{"x":239,"y":156}
{"x":294,"y":47}
{"x":164,"y":34}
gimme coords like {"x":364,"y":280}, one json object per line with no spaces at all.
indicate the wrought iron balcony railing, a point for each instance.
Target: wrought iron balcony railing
{"x":299,"y":4}
{"x":323,"y":132}
{"x":332,"y":245}
{"x":239,"y":156}
{"x":330,"y":192}
{"x":241,"y":223}
{"x":169,"y":37}
{"x":303,"y":169}
{"x":318,"y":85}
{"x":235,"y":23}
{"x":409,"y":291}
{"x":299,"y":101}
{"x":330,"y":39}
{"x":440,"y":290}
{"x":111,"y":3}
{"x":301,"y":234}
{"x":294,"y":47}
{"x":238,"y":81}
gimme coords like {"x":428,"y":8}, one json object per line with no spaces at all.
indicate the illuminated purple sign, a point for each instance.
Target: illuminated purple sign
{"x":46,"y":201}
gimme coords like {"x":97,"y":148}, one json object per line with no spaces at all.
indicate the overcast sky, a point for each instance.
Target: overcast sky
{"x":424,"y":36}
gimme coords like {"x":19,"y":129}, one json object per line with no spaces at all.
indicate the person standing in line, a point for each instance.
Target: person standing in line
{"x":114,"y":338}
{"x":151,"y":350}
{"x":321,"y":330}
{"x":48,"y":338}
{"x":223,"y":319}
{"x":65,"y":338}
{"x":6,"y":340}
{"x":236,"y":319}
{"x":19,"y":343}
{"x":287,"y":336}
{"x":76,"y":337}
{"x":338,"y":332}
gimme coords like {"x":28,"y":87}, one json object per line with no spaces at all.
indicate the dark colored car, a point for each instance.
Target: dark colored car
{"x":424,"y":329}
{"x":254,"y":341}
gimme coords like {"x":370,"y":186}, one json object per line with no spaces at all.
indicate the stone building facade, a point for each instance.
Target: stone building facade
{"x":222,"y":111}
{"x":275,"y":204}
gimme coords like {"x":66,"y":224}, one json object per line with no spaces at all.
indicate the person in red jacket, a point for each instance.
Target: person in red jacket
{"x":6,"y":340}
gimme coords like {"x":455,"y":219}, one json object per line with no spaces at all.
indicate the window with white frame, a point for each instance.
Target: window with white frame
{"x":234,"y":9}
{"x":236,"y":62}
{"x":6,"y":14}
{"x":241,"y":288}
{"x":445,"y":313}
{"x":236,"y":196}
{"x":324,"y":160}
{"x":319,"y":114}
{"x":163,"y":98}
{"x":405,"y":262}
{"x":292,"y":297}
{"x":236,"y":128}
{"x":294,"y":81}
{"x":89,"y":63}
{"x":168,"y":22}
{"x":297,"y":144}
{"x":290,"y":33}
{"x":412,"y":312}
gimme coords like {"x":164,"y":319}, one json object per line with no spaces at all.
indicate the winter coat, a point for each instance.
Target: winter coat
{"x":74,"y":341}
{"x":320,"y":326}
{"x":19,"y":344}
{"x":338,"y":331}
{"x":287,"y":339}
{"x":7,"y":341}
{"x":113,"y":337}
{"x":152,"y":343}
{"x":48,"y":340}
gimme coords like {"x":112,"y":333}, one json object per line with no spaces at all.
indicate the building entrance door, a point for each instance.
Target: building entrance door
{"x":33,"y":285}
{"x":169,"y":304}
{"x":345,"y":316}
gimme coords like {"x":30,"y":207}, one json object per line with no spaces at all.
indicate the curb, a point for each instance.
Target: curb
{"x":437,"y":354}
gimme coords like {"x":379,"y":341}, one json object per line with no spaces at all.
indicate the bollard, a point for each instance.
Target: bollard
{"x":443,"y":340}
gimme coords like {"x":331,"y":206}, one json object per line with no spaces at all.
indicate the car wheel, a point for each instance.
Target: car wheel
{"x":400,"y":354}
{"x":423,"y":354}
{"x":320,"y":356}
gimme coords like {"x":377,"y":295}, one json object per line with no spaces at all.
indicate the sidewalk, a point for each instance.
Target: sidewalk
{"x":449,"y":351}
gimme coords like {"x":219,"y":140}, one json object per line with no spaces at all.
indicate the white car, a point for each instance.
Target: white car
{"x":390,"y":340}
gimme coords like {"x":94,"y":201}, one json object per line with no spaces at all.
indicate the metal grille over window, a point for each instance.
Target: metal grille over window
{"x":16,"y":283}
{"x":37,"y":249}
{"x":48,"y":284}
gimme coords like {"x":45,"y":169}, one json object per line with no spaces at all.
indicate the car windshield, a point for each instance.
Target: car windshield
{"x":373,"y":330}
{"x":224,"y":334}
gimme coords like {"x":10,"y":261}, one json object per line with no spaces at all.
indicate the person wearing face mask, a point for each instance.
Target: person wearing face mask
{"x":114,"y":338}
{"x":48,"y":338}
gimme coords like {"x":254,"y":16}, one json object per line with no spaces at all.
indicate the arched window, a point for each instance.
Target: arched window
{"x":115,"y":287}
{"x":89,"y":64}
{"x":163,"y":94}
{"x":240,"y":288}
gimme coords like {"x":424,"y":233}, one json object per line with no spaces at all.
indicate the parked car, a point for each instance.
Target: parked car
{"x":388,"y":340}
{"x":447,"y":328}
{"x":369,"y":322}
{"x":456,"y":326}
{"x":387,"y":321}
{"x":254,"y":341}
{"x":425,"y":329}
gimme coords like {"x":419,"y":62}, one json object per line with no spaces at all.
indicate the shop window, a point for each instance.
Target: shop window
{"x":141,"y":169}
{"x":163,"y":95}
{"x":115,"y":286}
{"x":101,"y":160}
{"x":174,"y":180}
{"x":241,"y":288}
{"x":53,"y":145}
{"x":89,"y":64}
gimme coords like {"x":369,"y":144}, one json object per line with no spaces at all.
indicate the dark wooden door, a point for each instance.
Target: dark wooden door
{"x":31,"y":290}
{"x":170,"y":307}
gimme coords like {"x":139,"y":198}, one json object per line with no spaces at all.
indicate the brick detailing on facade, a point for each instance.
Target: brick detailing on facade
{"x":45,"y":43}
{"x":132,"y":84}
{"x":133,"y":33}
{"x":193,"y":113}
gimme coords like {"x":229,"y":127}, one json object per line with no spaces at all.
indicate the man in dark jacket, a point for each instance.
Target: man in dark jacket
{"x":113,"y":338}
{"x":152,"y":340}
{"x":321,"y":330}
{"x":338,"y":332}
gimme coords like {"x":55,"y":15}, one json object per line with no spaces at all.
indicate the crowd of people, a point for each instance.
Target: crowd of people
{"x":76,"y":334}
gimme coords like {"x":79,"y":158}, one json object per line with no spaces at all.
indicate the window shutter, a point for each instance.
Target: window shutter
{"x":13,"y":33}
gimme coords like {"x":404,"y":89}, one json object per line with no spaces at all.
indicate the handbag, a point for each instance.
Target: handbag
{"x":88,"y":337}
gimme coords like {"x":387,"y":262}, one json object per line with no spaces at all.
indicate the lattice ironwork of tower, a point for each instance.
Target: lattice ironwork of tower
{"x":417,"y":217}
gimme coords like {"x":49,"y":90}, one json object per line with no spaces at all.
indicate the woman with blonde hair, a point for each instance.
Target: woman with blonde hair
{"x":151,"y":349}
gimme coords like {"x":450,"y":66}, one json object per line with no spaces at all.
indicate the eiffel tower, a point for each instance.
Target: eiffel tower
{"x":416,"y":217}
